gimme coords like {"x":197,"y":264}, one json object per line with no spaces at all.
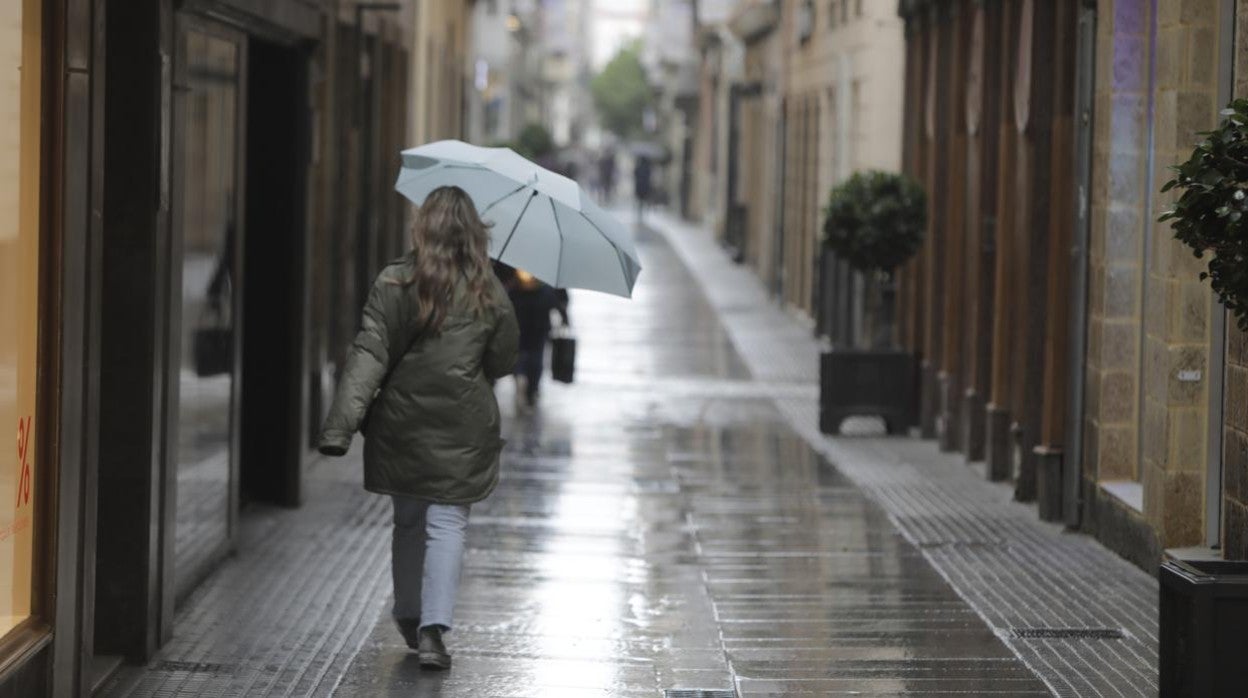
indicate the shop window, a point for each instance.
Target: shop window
{"x":20,"y":38}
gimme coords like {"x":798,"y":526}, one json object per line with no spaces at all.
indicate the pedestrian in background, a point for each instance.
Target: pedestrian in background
{"x":641,"y":183}
{"x":533,"y":302}
{"x":606,"y":175}
{"x":438,"y":329}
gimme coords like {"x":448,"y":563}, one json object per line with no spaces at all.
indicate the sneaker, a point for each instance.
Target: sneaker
{"x":430,"y":650}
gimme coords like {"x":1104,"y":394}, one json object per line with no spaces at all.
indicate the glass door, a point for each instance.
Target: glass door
{"x":205,"y":275}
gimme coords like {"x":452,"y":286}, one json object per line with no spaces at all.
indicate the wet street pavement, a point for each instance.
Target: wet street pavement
{"x":658,"y":526}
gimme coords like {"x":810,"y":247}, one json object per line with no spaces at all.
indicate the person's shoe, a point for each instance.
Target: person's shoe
{"x":430,"y":650}
{"x":409,"y":628}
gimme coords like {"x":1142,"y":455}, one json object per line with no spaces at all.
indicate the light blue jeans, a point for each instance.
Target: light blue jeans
{"x":427,"y":554}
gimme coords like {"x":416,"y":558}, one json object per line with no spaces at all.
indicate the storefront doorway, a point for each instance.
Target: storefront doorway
{"x":203,"y":306}
{"x":275,"y":258}
{"x":206,"y":295}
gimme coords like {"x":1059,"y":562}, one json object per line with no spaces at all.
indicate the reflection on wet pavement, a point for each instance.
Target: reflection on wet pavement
{"x":658,"y":526}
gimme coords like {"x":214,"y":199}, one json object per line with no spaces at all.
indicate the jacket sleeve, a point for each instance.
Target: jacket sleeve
{"x":501,"y":352}
{"x":366,"y":367}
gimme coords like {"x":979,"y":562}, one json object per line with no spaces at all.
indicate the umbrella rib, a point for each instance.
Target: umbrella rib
{"x":506,"y":196}
{"x":558,"y":229}
{"x":619,"y":254}
{"x":517,"y":225}
{"x":432,"y":170}
{"x":621,"y":258}
{"x":418,"y":174}
{"x":604,"y":235}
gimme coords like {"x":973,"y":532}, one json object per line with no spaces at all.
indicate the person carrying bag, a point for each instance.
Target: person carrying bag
{"x":438,"y":330}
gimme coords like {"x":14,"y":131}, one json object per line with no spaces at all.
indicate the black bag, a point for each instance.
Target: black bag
{"x":563,"y":358}
{"x":213,"y":351}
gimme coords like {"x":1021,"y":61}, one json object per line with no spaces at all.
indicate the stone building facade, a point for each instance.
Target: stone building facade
{"x":842,"y":114}
{"x":986,"y":304}
{"x":818,"y":96}
{"x":1065,"y":335}
{"x":1156,"y":334}
{"x":441,"y":70}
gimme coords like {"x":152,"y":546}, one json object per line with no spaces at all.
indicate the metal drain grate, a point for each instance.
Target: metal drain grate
{"x":194,"y":667}
{"x":699,"y":693}
{"x":1068,"y":633}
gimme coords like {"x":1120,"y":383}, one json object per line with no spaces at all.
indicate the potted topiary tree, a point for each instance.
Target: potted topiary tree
{"x":874,"y":221}
{"x":1204,"y":602}
{"x":1211,"y":216}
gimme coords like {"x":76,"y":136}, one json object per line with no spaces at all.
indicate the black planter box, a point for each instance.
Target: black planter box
{"x":1204,"y":628}
{"x":875,"y":382}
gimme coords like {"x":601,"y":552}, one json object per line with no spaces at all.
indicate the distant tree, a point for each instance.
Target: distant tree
{"x":534,"y":142}
{"x":621,"y":93}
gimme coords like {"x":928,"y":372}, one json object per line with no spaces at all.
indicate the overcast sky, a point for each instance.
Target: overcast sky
{"x":615,"y":22}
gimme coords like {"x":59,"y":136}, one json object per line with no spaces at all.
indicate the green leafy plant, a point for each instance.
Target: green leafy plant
{"x":621,"y":93}
{"x":1210,"y":215}
{"x":874,"y":220}
{"x":534,"y":142}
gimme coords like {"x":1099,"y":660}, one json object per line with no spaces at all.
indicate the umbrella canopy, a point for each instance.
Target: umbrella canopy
{"x":541,"y":222}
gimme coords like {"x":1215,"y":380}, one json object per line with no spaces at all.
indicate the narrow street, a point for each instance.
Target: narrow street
{"x":659,"y":526}
{"x":911,"y":352}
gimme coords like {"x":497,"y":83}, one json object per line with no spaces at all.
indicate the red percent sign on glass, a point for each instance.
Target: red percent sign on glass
{"x":23,"y":460}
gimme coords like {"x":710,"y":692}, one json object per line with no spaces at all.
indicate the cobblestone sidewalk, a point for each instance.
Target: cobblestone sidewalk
{"x":1082,"y":618}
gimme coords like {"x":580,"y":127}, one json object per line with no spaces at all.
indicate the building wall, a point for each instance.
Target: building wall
{"x":811,"y":111}
{"x":1235,"y":434}
{"x":441,"y":70}
{"x":490,"y":101}
{"x":1177,"y":303}
{"x":1149,"y":329}
{"x":722,"y":65}
{"x":761,"y":152}
{"x":1145,"y":456}
{"x":719,"y":63}
{"x":842,"y":92}
{"x":1235,"y":453}
{"x":1120,"y":201}
{"x":507,"y":69}
{"x":851,"y":62}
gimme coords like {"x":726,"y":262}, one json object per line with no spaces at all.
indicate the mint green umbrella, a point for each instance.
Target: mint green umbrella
{"x":542,"y":222}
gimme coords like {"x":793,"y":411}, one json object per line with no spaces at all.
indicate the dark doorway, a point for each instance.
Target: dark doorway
{"x":273,"y":274}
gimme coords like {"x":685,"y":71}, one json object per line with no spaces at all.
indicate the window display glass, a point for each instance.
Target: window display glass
{"x":19,"y":301}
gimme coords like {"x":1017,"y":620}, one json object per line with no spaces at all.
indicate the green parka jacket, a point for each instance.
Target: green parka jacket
{"x":433,"y":432}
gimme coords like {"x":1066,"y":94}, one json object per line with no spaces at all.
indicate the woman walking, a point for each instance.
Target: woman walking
{"x":438,"y":330}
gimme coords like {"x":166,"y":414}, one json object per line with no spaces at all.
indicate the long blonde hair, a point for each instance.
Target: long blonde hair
{"x":449,"y":240}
